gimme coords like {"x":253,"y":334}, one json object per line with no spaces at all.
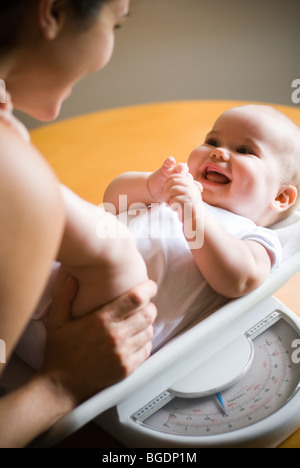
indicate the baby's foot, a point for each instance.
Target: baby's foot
{"x":157,"y":179}
{"x":168,"y":166}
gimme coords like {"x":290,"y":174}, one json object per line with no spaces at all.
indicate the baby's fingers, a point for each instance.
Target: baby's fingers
{"x":178,"y":179}
{"x":176,"y":194}
{"x":181,"y":168}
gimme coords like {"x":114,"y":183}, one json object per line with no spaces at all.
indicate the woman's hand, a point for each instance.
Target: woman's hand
{"x":85,"y":355}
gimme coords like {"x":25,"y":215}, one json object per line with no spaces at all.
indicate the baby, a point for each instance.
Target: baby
{"x":201,"y":228}
{"x":241,"y":180}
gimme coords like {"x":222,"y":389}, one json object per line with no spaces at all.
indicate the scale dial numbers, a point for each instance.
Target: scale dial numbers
{"x":270,"y":382}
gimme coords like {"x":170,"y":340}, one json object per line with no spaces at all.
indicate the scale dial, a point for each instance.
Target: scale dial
{"x":271,"y":380}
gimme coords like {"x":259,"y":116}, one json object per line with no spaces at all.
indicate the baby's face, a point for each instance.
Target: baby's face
{"x":238,"y":164}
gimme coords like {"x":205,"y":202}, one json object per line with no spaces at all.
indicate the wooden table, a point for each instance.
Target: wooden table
{"x":87,"y":152}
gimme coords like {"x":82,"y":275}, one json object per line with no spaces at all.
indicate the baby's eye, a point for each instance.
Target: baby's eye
{"x":244,"y":150}
{"x":212,"y":142}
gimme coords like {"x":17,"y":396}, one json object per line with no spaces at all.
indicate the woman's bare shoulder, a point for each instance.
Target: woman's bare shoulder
{"x":27,"y":183}
{"x":21,"y":164}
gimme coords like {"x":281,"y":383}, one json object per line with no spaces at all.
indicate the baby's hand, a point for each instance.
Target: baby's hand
{"x":183,"y":194}
{"x":157,"y":179}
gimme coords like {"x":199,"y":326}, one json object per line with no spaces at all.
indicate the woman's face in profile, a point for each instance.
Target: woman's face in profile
{"x":56,"y":65}
{"x":92,"y":49}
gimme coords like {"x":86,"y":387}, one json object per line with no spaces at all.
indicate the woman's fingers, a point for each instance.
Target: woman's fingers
{"x":62,"y":302}
{"x":101,"y":347}
{"x":142,"y":320}
{"x":137,"y":358}
{"x":130,"y":302}
{"x":133,"y":338}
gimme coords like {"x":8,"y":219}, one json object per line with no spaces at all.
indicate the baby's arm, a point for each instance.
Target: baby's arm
{"x":132,"y":184}
{"x":142,"y":188}
{"x":99,"y":252}
{"x":231,"y":266}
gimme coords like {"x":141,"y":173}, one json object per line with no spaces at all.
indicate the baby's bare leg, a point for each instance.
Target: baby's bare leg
{"x":104,"y":264}
{"x":110,"y":274}
{"x":100,"y":283}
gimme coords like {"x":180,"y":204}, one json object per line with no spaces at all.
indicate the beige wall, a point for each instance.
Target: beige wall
{"x":197,"y":49}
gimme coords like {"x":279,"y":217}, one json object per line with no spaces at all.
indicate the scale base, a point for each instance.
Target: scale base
{"x":121,"y":421}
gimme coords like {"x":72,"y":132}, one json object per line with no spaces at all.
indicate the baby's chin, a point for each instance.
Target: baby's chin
{"x":220,"y":202}
{"x":212,"y":199}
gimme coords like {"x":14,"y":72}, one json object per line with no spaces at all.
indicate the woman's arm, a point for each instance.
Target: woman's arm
{"x":29,"y":238}
{"x":83,"y":356}
{"x":31,"y":410}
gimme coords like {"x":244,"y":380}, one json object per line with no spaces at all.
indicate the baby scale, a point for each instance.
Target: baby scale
{"x":231,"y":380}
{"x":238,"y":388}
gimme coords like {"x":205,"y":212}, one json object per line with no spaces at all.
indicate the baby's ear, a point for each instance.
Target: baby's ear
{"x":285,"y":198}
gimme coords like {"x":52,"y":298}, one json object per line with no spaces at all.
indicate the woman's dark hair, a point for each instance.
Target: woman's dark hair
{"x":87,"y":8}
{"x":13,"y":12}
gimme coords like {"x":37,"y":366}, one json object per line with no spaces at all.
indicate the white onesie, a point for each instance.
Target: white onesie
{"x":184,"y":297}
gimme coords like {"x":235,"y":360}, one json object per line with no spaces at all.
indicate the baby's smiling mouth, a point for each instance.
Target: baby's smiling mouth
{"x":214,"y":174}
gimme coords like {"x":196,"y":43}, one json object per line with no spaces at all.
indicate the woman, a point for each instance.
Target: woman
{"x":46,"y":46}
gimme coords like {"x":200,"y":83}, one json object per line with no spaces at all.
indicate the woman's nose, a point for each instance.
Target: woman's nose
{"x":220,"y":153}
